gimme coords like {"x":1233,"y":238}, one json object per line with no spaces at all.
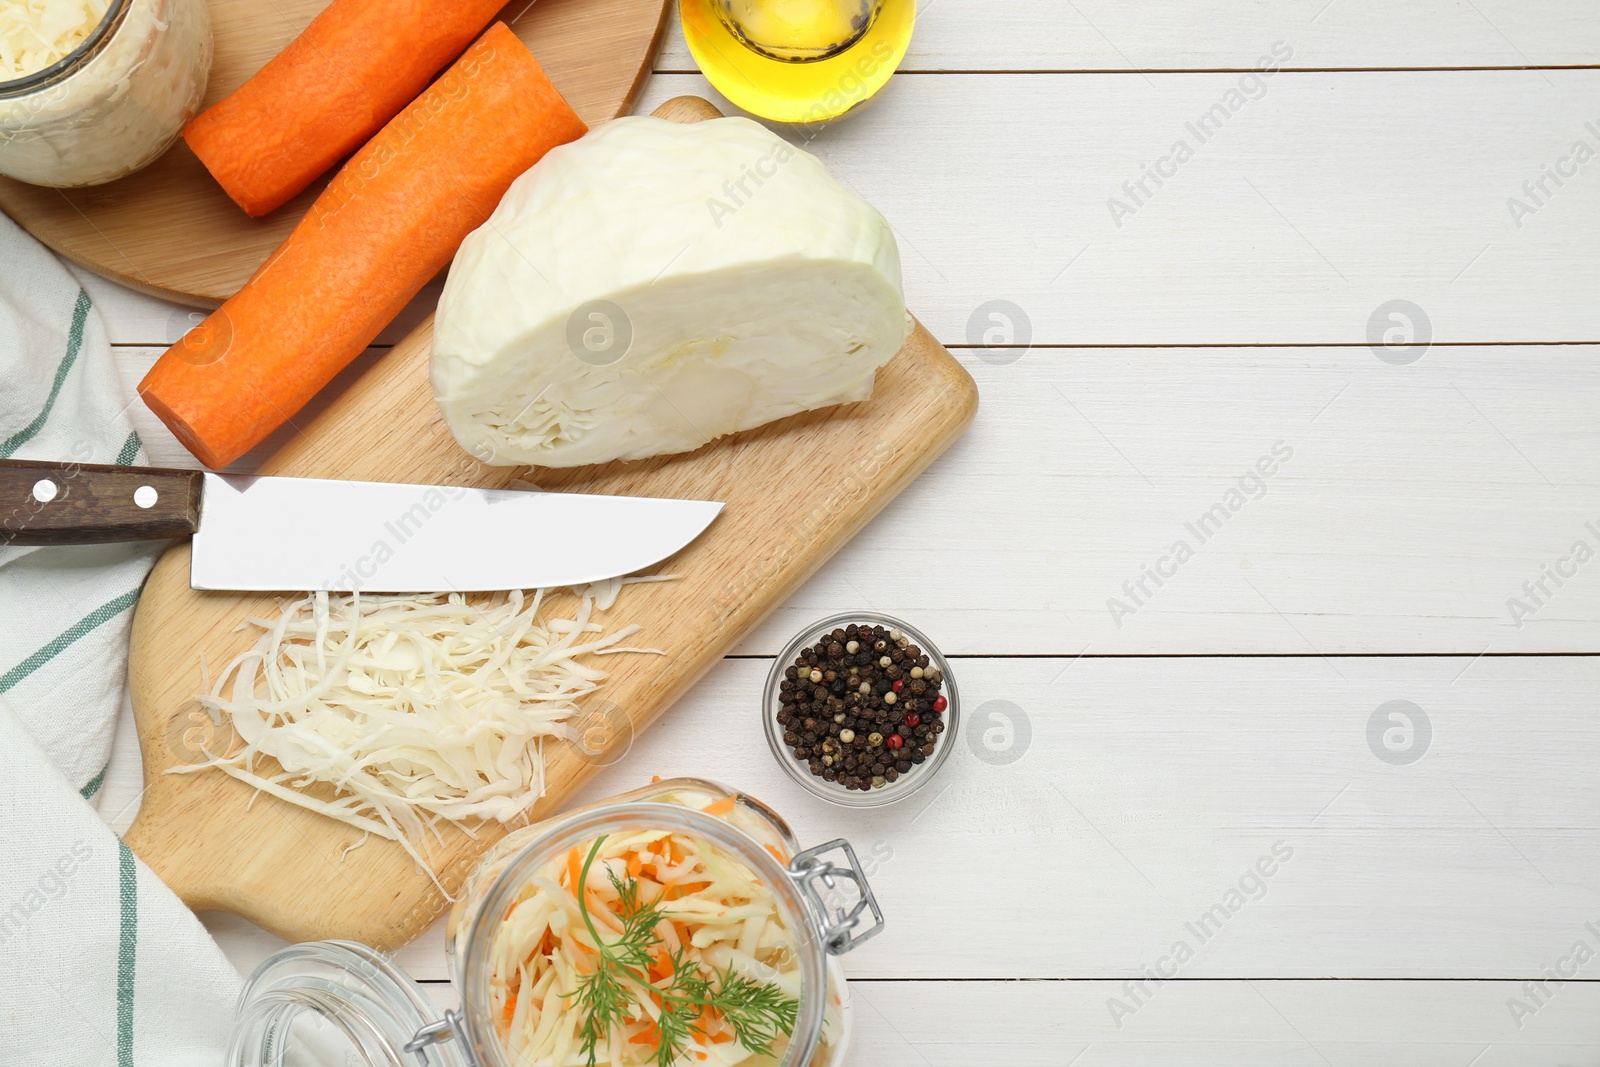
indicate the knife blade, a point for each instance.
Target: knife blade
{"x":268,"y":533}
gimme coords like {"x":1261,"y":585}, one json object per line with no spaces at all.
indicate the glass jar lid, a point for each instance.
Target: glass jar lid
{"x":337,"y":1004}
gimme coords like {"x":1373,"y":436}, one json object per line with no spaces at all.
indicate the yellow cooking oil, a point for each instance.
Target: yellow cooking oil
{"x":798,"y":61}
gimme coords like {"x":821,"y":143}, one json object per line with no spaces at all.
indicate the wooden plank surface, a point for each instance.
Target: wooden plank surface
{"x":1323,"y":199}
{"x":1220,"y":1024}
{"x":1085,"y":35}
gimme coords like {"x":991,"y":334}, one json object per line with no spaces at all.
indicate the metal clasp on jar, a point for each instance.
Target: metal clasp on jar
{"x":452,"y":1026}
{"x":817,"y":880}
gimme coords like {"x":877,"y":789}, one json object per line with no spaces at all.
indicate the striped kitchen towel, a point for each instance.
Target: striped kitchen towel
{"x":99,"y":962}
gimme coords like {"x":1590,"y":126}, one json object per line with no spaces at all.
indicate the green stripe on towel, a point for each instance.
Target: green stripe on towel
{"x":130,"y":450}
{"x":127,"y":880}
{"x":109,"y":610}
{"x":94,"y":784}
{"x":80,"y":315}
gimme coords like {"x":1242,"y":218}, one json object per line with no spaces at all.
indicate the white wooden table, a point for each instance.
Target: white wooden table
{"x":1181,"y":720}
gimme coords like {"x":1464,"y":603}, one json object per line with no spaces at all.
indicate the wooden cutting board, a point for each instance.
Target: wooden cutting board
{"x":796,"y":491}
{"x":171,"y":231}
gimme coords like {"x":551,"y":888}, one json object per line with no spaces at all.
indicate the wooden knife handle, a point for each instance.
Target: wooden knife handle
{"x":66,"y":503}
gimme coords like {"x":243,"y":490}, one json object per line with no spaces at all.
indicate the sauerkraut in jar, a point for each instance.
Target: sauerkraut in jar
{"x":114,"y":81}
{"x":672,"y":924}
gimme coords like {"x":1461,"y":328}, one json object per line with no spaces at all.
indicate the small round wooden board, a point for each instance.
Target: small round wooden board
{"x":172,"y":232}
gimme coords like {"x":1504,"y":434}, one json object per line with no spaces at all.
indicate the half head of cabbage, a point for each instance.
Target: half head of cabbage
{"x":655,"y":285}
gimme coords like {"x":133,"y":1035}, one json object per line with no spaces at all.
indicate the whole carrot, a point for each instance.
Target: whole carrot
{"x":348,"y":73}
{"x":387,"y":223}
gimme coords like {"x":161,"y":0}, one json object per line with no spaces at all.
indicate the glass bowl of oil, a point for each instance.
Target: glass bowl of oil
{"x":798,"y":61}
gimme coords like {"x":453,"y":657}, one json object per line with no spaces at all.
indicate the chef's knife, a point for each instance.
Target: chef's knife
{"x":265,"y":533}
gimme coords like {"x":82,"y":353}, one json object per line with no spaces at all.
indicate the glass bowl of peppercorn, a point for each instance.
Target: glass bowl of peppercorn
{"x":861,"y":709}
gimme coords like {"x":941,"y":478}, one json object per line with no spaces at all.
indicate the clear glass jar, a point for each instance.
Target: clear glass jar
{"x":340,"y":1004}
{"x":115,"y":103}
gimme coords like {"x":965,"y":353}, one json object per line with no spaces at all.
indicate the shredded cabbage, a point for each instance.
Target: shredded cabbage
{"x":406,"y":710}
{"x":37,"y":33}
{"x":715,"y":905}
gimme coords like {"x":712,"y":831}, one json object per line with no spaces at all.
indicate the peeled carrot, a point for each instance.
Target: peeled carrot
{"x":348,"y":73}
{"x":387,"y":223}
{"x":719,"y":807}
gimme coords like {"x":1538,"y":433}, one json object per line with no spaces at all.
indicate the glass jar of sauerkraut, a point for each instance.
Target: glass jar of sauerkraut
{"x":113,"y":103}
{"x":678,"y":923}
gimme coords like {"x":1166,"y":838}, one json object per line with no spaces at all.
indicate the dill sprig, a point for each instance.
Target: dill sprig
{"x":756,"y":1011}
